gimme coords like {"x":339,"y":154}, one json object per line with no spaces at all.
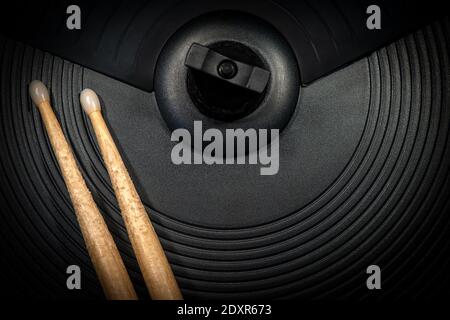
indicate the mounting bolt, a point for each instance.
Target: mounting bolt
{"x":217,"y":65}
{"x":227,"y":69}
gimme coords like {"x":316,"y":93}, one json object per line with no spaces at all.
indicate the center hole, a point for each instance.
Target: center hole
{"x":220,"y":99}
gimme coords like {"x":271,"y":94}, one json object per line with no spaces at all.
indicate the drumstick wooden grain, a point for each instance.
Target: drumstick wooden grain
{"x":105,"y":257}
{"x":152,"y":260}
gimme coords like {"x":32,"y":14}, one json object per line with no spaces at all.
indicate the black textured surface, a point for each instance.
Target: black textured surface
{"x":364,"y":179}
{"x":123,"y":39}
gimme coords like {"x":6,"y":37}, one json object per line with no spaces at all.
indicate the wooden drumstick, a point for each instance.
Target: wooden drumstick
{"x":150,"y":255}
{"x":101,"y":247}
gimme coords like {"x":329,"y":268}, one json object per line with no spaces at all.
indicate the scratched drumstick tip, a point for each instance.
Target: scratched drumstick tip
{"x":89,"y":101}
{"x":38,"y":92}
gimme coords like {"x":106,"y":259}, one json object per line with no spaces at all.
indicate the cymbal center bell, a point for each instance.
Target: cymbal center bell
{"x":226,"y":81}
{"x":229,"y":70}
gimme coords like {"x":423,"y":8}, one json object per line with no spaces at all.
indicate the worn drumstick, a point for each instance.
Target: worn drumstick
{"x":100,"y":244}
{"x":156,"y":270}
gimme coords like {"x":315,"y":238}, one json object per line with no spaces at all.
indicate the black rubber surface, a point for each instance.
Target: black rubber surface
{"x":123,"y":39}
{"x":364,"y":179}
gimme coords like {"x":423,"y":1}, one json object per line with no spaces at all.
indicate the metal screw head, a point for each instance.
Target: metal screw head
{"x":227,"y":69}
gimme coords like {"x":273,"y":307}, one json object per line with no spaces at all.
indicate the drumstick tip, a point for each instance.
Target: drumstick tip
{"x":38,"y":92}
{"x":89,"y":101}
